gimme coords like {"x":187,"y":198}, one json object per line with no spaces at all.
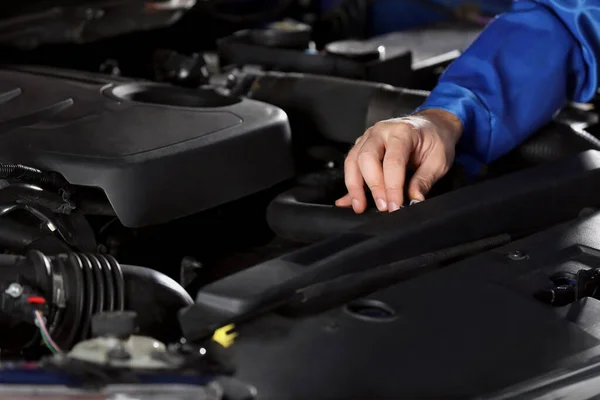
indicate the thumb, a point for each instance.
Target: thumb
{"x":425,"y":177}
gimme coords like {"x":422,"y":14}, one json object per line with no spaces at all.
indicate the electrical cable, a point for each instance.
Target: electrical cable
{"x":46,"y":337}
{"x":25,"y":173}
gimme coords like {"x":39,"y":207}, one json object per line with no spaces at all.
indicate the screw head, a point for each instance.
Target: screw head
{"x":518,"y":255}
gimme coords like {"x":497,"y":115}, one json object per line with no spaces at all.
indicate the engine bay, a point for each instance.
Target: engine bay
{"x":171,"y":230}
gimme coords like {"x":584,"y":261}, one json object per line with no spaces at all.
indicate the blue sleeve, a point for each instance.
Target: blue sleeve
{"x":519,"y":72}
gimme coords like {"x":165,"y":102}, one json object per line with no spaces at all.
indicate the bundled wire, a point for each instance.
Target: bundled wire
{"x":47,"y":339}
{"x":29,"y":174}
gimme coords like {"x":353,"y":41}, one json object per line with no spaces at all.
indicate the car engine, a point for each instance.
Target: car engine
{"x":168,"y":225}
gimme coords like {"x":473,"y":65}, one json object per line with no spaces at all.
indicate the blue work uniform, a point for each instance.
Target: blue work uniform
{"x":521,"y":70}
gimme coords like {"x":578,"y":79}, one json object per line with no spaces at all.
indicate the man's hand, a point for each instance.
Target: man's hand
{"x":424,"y":141}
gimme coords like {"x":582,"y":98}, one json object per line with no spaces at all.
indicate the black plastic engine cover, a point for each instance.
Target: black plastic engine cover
{"x":468,"y":329}
{"x":158,"y":152}
{"x":516,"y":204}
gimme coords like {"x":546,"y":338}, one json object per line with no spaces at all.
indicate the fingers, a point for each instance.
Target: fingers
{"x":354,"y":183}
{"x":345,"y":201}
{"x":380,"y":158}
{"x":399,"y":149}
{"x":369,"y":159}
{"x":364,"y":165}
{"x":429,"y":172}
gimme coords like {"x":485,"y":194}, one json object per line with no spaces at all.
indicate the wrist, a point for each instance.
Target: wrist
{"x":448,"y":124}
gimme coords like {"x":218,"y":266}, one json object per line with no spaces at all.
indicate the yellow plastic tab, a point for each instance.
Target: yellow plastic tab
{"x":225,"y":335}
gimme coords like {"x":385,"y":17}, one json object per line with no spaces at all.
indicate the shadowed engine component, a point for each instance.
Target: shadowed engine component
{"x":155,"y":150}
{"x":29,"y":24}
{"x":77,"y":286}
{"x":338,"y":109}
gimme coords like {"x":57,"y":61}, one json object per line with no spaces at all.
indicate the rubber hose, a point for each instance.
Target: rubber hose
{"x":77,"y":286}
{"x":334,"y":108}
{"x":553,"y":142}
{"x":109,"y":283}
{"x":306,"y":213}
{"x":237,"y":50}
{"x":91,"y":303}
{"x":19,"y":238}
{"x":99,"y":288}
{"x":77,"y":311}
{"x":118,"y":281}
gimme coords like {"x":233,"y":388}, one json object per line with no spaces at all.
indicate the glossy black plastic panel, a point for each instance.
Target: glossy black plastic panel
{"x":159,"y":152}
{"x":467,"y":329}
{"x":515,"y":204}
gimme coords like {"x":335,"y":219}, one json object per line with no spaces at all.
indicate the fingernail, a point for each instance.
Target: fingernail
{"x":355,"y":204}
{"x":393,"y":207}
{"x":381,"y":204}
{"x":414,"y":202}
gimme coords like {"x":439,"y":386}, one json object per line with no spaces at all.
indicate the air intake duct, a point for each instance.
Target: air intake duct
{"x":77,"y":286}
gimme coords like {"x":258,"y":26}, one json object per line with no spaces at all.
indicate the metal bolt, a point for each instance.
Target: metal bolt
{"x":518,"y":255}
{"x":14,"y":290}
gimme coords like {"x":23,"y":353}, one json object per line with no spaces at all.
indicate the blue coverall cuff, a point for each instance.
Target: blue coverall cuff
{"x":475,"y":120}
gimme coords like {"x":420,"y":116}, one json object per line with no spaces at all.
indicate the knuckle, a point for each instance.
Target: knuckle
{"x":394,"y":187}
{"x":444,"y":170}
{"x":399,"y":141}
{"x":380,"y":124}
{"x":380,"y":128}
{"x":394,"y":161}
{"x":442,"y":162}
{"x":404,"y":133}
{"x":350,"y":160}
{"x":353,"y":185}
{"x":362,"y":137}
{"x":376,"y":187}
{"x":366,"y":155}
{"x":425,"y":182}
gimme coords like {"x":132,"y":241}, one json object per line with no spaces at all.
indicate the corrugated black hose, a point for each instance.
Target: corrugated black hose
{"x":29,"y":174}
